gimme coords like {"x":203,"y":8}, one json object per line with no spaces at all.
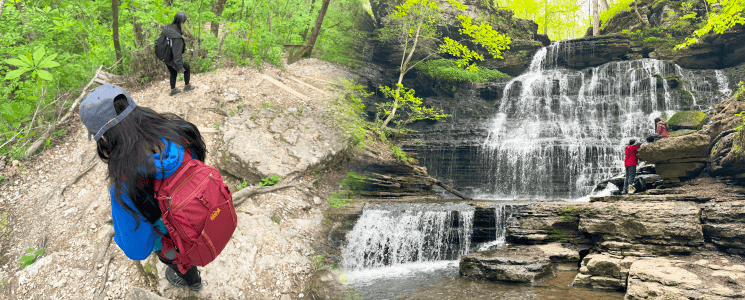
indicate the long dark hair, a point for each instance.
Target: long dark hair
{"x":128,"y":148}
{"x":179,"y":19}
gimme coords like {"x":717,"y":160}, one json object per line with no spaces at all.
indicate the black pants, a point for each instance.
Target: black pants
{"x":174,"y":73}
{"x":629,"y":180}
{"x":191,"y":277}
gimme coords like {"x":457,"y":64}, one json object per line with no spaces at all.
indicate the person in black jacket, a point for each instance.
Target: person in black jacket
{"x":174,"y":32}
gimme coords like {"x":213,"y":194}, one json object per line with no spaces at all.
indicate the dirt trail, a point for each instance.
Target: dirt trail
{"x":71,"y":227}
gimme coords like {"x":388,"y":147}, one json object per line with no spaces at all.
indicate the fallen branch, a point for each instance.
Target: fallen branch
{"x":285,"y":87}
{"x":245,"y":193}
{"x":99,"y":291}
{"x":64,"y":119}
{"x":452,"y":191}
{"x":216,"y":110}
{"x":85,"y":167}
{"x":321,"y":80}
{"x":103,"y":247}
{"x":308,"y":85}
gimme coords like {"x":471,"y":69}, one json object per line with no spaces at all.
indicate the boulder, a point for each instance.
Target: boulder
{"x":634,"y":228}
{"x":724,"y":120}
{"x":301,"y":141}
{"x":545,"y":222}
{"x":682,"y":132}
{"x":669,"y":149}
{"x":691,"y":119}
{"x":725,"y":158}
{"x":603,"y":271}
{"x":680,"y":170}
{"x":563,"y":258}
{"x":723,"y":225}
{"x":673,"y":278}
{"x":512,"y":264}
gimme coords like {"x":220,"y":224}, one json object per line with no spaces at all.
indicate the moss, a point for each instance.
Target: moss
{"x":447,"y":69}
{"x":688,"y":119}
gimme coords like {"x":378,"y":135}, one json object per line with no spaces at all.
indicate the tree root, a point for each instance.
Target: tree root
{"x":217,"y":110}
{"x":99,"y":291}
{"x":103,"y":247}
{"x":151,"y":280}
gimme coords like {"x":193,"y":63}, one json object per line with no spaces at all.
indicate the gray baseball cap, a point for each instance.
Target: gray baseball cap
{"x":97,"y":109}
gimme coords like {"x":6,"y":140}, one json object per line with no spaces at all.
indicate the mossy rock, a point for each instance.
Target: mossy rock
{"x":688,"y":120}
{"x":682,"y":132}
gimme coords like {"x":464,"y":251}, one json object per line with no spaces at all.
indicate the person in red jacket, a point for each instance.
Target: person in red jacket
{"x":630,"y":161}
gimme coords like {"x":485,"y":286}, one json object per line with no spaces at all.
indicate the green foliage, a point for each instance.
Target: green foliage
{"x":614,"y":9}
{"x":317,"y":262}
{"x":560,"y":19}
{"x":216,"y":125}
{"x":409,"y":106}
{"x":35,"y":64}
{"x":401,"y":155}
{"x":349,"y":187}
{"x":567,"y":212}
{"x":242,"y":185}
{"x":448,"y":69}
{"x":30,"y":257}
{"x":718,"y":20}
{"x":740,"y":93}
{"x":346,"y":112}
{"x":556,"y":233}
{"x":4,"y":230}
{"x":269,"y":180}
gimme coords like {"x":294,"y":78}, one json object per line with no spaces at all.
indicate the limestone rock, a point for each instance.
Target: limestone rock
{"x":723,"y":225}
{"x":668,"y":149}
{"x":325,"y":285}
{"x":300,"y":142}
{"x":512,"y":264}
{"x":563,"y":258}
{"x":603,"y":271}
{"x":725,"y":160}
{"x":680,"y":170}
{"x":670,"y":278}
{"x":691,"y":119}
{"x":643,"y":228}
{"x":593,"y":51}
{"x":682,"y":132}
{"x":547,"y":221}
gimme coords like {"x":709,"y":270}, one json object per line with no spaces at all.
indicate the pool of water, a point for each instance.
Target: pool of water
{"x":440,"y":280}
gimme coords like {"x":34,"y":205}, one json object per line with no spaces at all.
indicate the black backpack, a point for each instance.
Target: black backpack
{"x":163,"y":48}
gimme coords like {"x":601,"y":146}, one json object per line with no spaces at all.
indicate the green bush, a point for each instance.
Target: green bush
{"x":447,"y":69}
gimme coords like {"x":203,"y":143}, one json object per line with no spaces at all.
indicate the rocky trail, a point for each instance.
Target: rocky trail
{"x":58,"y":201}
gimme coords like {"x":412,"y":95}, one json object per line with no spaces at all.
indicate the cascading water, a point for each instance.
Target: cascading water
{"x":558,"y":132}
{"x":723,"y":83}
{"x":394,"y":234}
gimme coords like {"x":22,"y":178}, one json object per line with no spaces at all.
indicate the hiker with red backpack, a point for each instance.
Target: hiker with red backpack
{"x":164,"y":199}
{"x":170,"y":47}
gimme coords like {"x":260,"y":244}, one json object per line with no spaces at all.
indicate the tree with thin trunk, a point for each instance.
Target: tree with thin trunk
{"x":305,"y":32}
{"x":217,"y":9}
{"x":595,"y":18}
{"x":115,"y":27}
{"x":317,"y":27}
{"x":412,"y":26}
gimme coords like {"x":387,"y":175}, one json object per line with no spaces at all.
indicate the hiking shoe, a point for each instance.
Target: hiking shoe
{"x":189,"y":88}
{"x":175,"y":280}
{"x":175,"y":91}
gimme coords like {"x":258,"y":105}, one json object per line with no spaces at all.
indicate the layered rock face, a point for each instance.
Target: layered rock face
{"x":724,"y":225}
{"x":518,"y":264}
{"x":546,"y":222}
{"x":603,"y":271}
{"x":677,"y":158}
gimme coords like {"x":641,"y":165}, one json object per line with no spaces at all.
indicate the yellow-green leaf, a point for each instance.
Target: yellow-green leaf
{"x":44,"y":75}
{"x":38,"y":55}
{"x":17,"y":62}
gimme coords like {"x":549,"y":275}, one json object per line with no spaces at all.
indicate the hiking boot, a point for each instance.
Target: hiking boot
{"x":174,"y":92}
{"x":189,"y":88}
{"x":175,"y":280}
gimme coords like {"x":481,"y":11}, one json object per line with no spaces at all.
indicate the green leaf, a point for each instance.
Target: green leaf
{"x":15,"y":74}
{"x":39,"y":252}
{"x":38,"y":55}
{"x":48,"y":142}
{"x":44,"y":75}
{"x":18,"y":63}
{"x":48,"y":63}
{"x":27,"y":58}
{"x":275,"y":177}
{"x":30,"y":250}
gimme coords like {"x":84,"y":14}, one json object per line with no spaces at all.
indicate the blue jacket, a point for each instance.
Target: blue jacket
{"x":138,"y":244}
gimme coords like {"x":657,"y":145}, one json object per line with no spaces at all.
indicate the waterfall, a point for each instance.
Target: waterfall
{"x":557,"y":132}
{"x":502,"y":213}
{"x":394,"y":234}
{"x":723,"y":83}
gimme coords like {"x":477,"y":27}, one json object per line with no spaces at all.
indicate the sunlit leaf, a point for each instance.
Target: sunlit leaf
{"x":17,"y":62}
{"x":15,"y":74}
{"x":44,"y":75}
{"x":38,"y":55}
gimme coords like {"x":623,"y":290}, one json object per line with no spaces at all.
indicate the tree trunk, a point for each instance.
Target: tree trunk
{"x":317,"y":28}
{"x":604,"y":5}
{"x":644,"y":21}
{"x":595,"y":18}
{"x":115,"y":25}
{"x":305,"y":33}
{"x":139,"y":35}
{"x":217,"y":9}
{"x":545,"y":17}
{"x":2,"y":4}
{"x":169,"y":2}
{"x":403,"y":70}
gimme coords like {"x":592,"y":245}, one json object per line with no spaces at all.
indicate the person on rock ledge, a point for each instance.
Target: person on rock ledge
{"x":661,"y":127}
{"x":630,"y":161}
{"x":140,"y":146}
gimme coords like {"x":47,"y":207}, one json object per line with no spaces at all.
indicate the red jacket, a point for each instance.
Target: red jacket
{"x":662,"y":129}
{"x":630,"y":159}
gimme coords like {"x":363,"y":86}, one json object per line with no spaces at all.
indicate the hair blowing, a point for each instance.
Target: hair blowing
{"x":128,"y":147}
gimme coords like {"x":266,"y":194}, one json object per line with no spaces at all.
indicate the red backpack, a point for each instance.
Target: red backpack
{"x":198,"y":212}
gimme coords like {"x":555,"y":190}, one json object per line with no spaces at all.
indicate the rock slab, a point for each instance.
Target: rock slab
{"x":511,"y":264}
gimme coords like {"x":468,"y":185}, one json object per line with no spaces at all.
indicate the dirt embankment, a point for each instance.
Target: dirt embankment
{"x":271,"y":254}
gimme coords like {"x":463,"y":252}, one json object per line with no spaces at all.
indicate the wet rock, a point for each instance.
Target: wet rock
{"x":694,"y":120}
{"x":546,"y":222}
{"x":643,"y":228}
{"x":512,"y":264}
{"x":593,"y":51}
{"x":723,"y":226}
{"x":563,"y":258}
{"x":325,"y":285}
{"x":300,"y":142}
